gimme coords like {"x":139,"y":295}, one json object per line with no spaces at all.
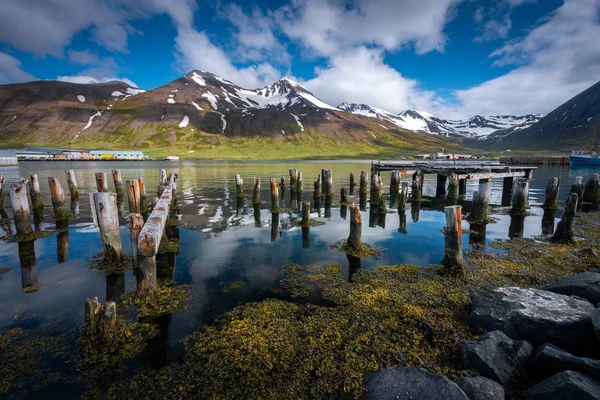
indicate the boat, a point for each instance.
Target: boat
{"x":591,"y":157}
{"x":172,"y":158}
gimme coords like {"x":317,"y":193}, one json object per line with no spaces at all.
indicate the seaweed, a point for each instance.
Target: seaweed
{"x":167,"y":299}
{"x":104,"y":265}
{"x":363,"y":251}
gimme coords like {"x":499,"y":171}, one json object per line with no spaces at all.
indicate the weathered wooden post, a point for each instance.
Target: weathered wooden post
{"x":239,"y":186}
{"x":257,"y":221}
{"x":417,"y":187}
{"x":274,"y":196}
{"x":520,"y":197}
{"x":343,"y":195}
{"x":293,"y":179}
{"x":453,"y":186}
{"x":305,"y":238}
{"x":440,"y":190}
{"x":2,"y":187}
{"x":354,"y":240}
{"x":328,"y":201}
{"x":462,"y":187}
{"x":352,"y":184}
{"x":299,"y":183}
{"x":305,"y":214}
{"x":108,"y":222}
{"x":256,"y":193}
{"x":517,"y":225}
{"x":274,"y":226}
{"x":162,"y":180}
{"x":136,"y":223}
{"x":403,"y":197}
{"x":72,"y":183}
{"x":394,"y":182}
{"x":35,"y":193}
{"x":20,"y":206}
{"x":591,"y":193}
{"x":481,"y":202}
{"x":364,"y":177}
{"x":551,"y":201}
{"x":564,"y":230}
{"x":99,"y":318}
{"x":362,"y":201}
{"x":133,"y":193}
{"x":328,"y":183}
{"x":317,"y":192}
{"x":58,"y":199}
{"x":376,"y":192}
{"x":101,"y":182}
{"x":507,"y":189}
{"x":453,"y":257}
{"x":578,"y":188}
{"x":548,"y":221}
{"x":282,"y":185}
{"x":118,"y":182}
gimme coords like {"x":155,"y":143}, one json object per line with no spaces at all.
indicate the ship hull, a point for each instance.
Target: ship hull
{"x":585,"y":160}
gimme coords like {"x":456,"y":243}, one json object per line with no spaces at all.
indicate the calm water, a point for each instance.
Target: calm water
{"x":227,"y":253}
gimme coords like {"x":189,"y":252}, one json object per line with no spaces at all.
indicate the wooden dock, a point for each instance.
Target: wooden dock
{"x":464,"y":170}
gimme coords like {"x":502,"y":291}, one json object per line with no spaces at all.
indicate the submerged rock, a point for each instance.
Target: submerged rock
{"x":568,"y":385}
{"x":411,"y":383}
{"x":585,"y":284}
{"x":493,"y":356}
{"x":549,"y":360}
{"x":535,"y":315}
{"x":481,"y":388}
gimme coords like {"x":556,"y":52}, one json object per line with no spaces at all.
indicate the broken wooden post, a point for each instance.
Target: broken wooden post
{"x":118,"y":182}
{"x":376,"y":192}
{"x":415,"y":211}
{"x":551,"y":201}
{"x":564,"y":230}
{"x":136,"y":223}
{"x":481,"y":202}
{"x":72,"y":183}
{"x":305,"y":214}
{"x":239,"y":186}
{"x":364,"y":177}
{"x":299,"y":183}
{"x":343,"y":195}
{"x":507,"y":189}
{"x":354,"y":240}
{"x":162,"y":181}
{"x":417,"y":187}
{"x":318,"y":182}
{"x":591,"y":193}
{"x":58,"y":199}
{"x":34,"y":192}
{"x":440,"y":191}
{"x":2,"y":187}
{"x":520,"y":197}
{"x":453,"y":186}
{"x":133,"y":193}
{"x":453,"y":257}
{"x":20,"y":206}
{"x":282,"y":185}
{"x":293,"y":179}
{"x":352,"y":184}
{"x":274,"y":196}
{"x":462,"y":187}
{"x":256,"y":193}
{"x":99,"y":318}
{"x":101,"y":182}
{"x":108,"y":222}
{"x":328,"y":183}
{"x":578,"y":188}
{"x":403,"y":196}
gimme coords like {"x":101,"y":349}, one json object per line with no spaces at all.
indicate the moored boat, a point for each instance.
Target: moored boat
{"x":590,"y":157}
{"x":172,"y":158}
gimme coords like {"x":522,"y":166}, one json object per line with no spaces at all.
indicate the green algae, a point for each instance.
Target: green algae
{"x":228,"y":287}
{"x":311,"y":223}
{"x":169,"y":246}
{"x":168,"y":299}
{"x":363,"y":251}
{"x":29,"y":237}
{"x":103,"y":265}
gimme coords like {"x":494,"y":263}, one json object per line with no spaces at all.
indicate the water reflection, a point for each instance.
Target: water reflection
{"x":115,"y":286}
{"x":402,"y":222}
{"x":415,"y":210}
{"x":477,"y":235}
{"x":62,"y":241}
{"x":29,"y":278}
{"x":274,"y":226}
{"x":353,"y":267}
{"x":306,"y":238}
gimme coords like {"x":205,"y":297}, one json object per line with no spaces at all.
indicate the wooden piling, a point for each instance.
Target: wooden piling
{"x":548,"y":221}
{"x":239,"y":186}
{"x":328,"y":183}
{"x":364,"y":177}
{"x":591,"y":193}
{"x":318,"y":185}
{"x":257,"y":221}
{"x":440,"y":190}
{"x":162,"y":181}
{"x":417,"y":187}
{"x":34,"y":192}
{"x":453,"y":186}
{"x":136,"y":223}
{"x":108,"y":222}
{"x":328,"y":204}
{"x":134,"y":196}
{"x":394,"y":182}
{"x":354,"y":240}
{"x":507,"y":189}
{"x":20,"y":206}
{"x":58,"y":199}
{"x":481,"y":202}
{"x":552,"y":188}
{"x":564,"y":230}
{"x":305,"y":214}
{"x":462,"y":187}
{"x":101,"y":182}
{"x":403,"y":196}
{"x":305,"y":238}
{"x":99,"y":318}
{"x":299,"y":183}
{"x":282,"y":185}
{"x":274,"y":196}
{"x":520,"y":197}
{"x":72,"y":183}
{"x":517,"y":225}
{"x":293,"y":179}
{"x":453,"y":257}
{"x":62,"y":241}
{"x":376,"y":192}
{"x":256,"y":193}
{"x":2,"y":187}
{"x":578,"y":187}
{"x":116,"y":173}
{"x":352,"y":184}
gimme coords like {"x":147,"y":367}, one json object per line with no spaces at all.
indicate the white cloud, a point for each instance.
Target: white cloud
{"x":495,"y":29}
{"x":83,"y":57}
{"x":85,"y":79}
{"x":10,"y":70}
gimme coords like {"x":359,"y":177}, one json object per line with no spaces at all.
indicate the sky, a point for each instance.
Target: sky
{"x":452,"y":58}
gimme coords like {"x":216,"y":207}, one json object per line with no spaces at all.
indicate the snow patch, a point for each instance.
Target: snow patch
{"x":298,"y":122}
{"x":171,"y":101}
{"x":92,"y":120}
{"x":174,"y":90}
{"x":198,"y":79}
{"x":184,"y":122}
{"x":212,"y":98}
{"x":117,"y":93}
{"x":13,"y":118}
{"x":134,"y":91}
{"x":224,"y":122}
{"x":282,"y":132}
{"x":196,"y":105}
{"x":81,"y":98}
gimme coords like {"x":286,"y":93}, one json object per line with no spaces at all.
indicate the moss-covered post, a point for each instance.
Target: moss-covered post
{"x":99,"y":318}
{"x":293,"y":180}
{"x":305,"y":214}
{"x":101,"y":182}
{"x":134,"y":196}
{"x":453,"y":186}
{"x":462,"y":187}
{"x":108,"y":222}
{"x":116,"y":173}
{"x":517,"y":226}
{"x":352,"y":184}
{"x":364,"y":177}
{"x":551,"y":201}
{"x":440,"y":190}
{"x":403,"y":197}
{"x":548,"y":221}
{"x":578,"y":188}
{"x":317,"y":192}
{"x":2,"y":187}
{"x":343,"y":195}
{"x":415,"y":211}
{"x":299,"y":183}
{"x":20,"y":206}
{"x":564,"y":230}
{"x":239,"y":186}
{"x":58,"y":199}
{"x":274,"y":196}
{"x":34,"y":192}
{"x":136,"y":223}
{"x":417,"y":187}
{"x":520,"y":197}
{"x":507,"y":189}
{"x":481,"y":202}
{"x":453,"y":257}
{"x":72,"y":183}
{"x":354,"y":240}
{"x":256,"y":192}
{"x":591,"y":193}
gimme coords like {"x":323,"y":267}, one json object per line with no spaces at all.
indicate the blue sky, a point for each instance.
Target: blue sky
{"x":454,"y":58}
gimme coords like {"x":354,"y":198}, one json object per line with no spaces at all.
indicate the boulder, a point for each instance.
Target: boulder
{"x":596,"y":321}
{"x":585,"y":285}
{"x":492,"y":356}
{"x":535,"y":315}
{"x":524,"y":350}
{"x":411,"y":383}
{"x":549,"y":360}
{"x":480,"y":388}
{"x":567,"y":385}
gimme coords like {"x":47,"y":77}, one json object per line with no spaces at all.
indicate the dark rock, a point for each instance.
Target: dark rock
{"x":585,"y":284}
{"x":549,"y":360}
{"x":568,"y":385}
{"x":588,"y":252}
{"x":481,"y":388}
{"x":523,"y":350}
{"x":493,"y":356}
{"x":535,"y":315}
{"x":596,"y":321}
{"x":411,"y":383}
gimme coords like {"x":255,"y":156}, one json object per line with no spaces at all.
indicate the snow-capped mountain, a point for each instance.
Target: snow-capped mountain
{"x":420,"y":121}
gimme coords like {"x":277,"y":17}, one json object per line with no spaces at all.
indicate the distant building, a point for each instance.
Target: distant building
{"x":8,"y":158}
{"x":116,"y":155}
{"x":422,"y":156}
